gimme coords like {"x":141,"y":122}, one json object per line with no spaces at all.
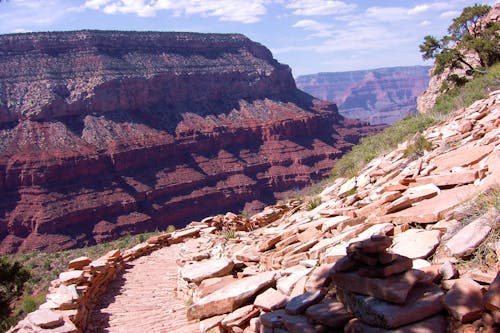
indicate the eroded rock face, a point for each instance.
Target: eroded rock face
{"x":106,"y":133}
{"x":384,"y":95}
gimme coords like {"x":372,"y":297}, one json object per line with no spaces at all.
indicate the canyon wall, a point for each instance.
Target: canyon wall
{"x":380,"y":96}
{"x":105,"y":133}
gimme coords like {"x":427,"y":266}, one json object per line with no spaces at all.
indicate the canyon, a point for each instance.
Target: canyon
{"x":106,"y":133}
{"x":380,"y":96}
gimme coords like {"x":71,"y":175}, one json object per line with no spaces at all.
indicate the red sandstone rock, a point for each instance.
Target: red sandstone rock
{"x":184,"y":126}
{"x":491,"y":299}
{"x":422,"y":302}
{"x":435,"y":324}
{"x":432,"y":210}
{"x":393,"y":289}
{"x":465,"y":241}
{"x":230,"y":297}
{"x":271,"y":300}
{"x":416,"y":243}
{"x":330,"y":313}
{"x":200,"y":271}
{"x":464,"y":300}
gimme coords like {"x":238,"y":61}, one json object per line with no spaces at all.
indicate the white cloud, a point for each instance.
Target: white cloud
{"x":449,"y":14}
{"x":387,"y":14}
{"x":373,"y":37}
{"x":419,"y":9}
{"x":425,"y":23}
{"x":30,"y":13}
{"x":319,"y":7}
{"x":319,"y":29}
{"x":226,"y":10}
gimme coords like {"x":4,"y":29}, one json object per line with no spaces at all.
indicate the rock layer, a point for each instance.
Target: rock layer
{"x":107,"y":133}
{"x":384,"y":95}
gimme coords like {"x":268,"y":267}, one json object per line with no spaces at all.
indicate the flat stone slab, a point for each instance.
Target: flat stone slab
{"x":285,"y":284}
{"x":45,"y":318}
{"x":331,"y":314}
{"x":416,"y":243}
{"x":463,"y":156}
{"x":448,"y":179}
{"x":200,"y":271}
{"x":464,"y":301}
{"x":422,"y":302}
{"x":79,"y":263}
{"x":395,"y":288}
{"x":433,"y":209}
{"x":71,"y":277}
{"x":230,"y":297}
{"x":281,"y":320}
{"x":464,"y":242}
{"x":435,"y":324}
{"x":300,"y":303}
{"x":271,"y":300}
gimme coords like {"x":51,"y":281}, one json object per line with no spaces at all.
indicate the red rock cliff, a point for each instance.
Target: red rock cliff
{"x":107,"y":133}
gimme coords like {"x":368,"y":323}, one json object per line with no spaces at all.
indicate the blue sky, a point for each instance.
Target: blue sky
{"x":309,"y":35}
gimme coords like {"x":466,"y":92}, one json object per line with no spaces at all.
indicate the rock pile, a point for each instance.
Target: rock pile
{"x":385,"y":251}
{"x":382,"y":290}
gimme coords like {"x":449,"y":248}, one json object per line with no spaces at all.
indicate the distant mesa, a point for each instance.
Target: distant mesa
{"x":380,"y":96}
{"x":106,"y":133}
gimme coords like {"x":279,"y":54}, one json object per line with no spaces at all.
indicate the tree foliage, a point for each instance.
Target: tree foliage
{"x":12,"y":279}
{"x":465,"y":34}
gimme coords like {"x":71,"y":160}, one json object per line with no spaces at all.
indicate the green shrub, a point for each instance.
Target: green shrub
{"x":470,"y":92}
{"x":170,"y":229}
{"x":418,"y":148}
{"x":313,"y":203}
{"x":230,"y":234}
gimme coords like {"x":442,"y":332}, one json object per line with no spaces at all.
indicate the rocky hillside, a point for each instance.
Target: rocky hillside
{"x":410,"y":244}
{"x":380,"y":96}
{"x":106,"y":133}
{"x":439,"y":83}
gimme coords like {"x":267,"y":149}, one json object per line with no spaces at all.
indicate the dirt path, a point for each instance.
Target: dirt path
{"x":143,"y":299}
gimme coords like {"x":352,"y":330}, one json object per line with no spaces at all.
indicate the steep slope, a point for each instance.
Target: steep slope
{"x":404,"y":246}
{"x":380,"y":96}
{"x":106,"y":133}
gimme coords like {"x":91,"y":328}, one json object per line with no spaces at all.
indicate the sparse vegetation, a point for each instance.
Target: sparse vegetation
{"x":313,"y":203}
{"x":375,"y":145}
{"x":454,"y":99}
{"x":170,"y":229}
{"x":418,"y":148}
{"x":351,"y":192}
{"x":465,"y":95}
{"x":230,"y":234}
{"x":484,"y":257}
